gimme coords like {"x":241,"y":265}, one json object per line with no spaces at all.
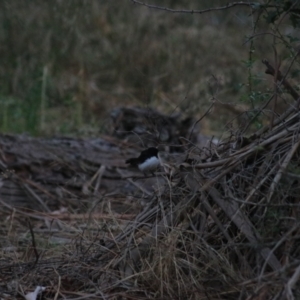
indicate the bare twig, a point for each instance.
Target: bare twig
{"x":187,"y":11}
{"x":33,"y":242}
{"x":270,"y":70}
{"x":288,"y":293}
{"x":282,"y":169}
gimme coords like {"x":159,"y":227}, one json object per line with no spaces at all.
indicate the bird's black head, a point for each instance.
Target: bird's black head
{"x":152,"y":151}
{"x":145,"y":154}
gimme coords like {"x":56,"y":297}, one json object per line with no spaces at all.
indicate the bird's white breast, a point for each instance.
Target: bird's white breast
{"x":149,"y":164}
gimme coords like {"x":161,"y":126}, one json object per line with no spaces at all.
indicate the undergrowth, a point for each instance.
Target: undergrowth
{"x":67,"y":64}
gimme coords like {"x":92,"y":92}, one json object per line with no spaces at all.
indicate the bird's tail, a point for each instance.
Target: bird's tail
{"x":132,"y":161}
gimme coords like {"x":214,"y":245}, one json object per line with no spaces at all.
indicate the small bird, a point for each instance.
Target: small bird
{"x":147,"y":161}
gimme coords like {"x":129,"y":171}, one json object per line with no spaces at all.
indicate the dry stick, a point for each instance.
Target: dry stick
{"x":267,"y":163}
{"x":281,"y":272}
{"x":186,"y":11}
{"x":135,"y":184}
{"x":19,"y":211}
{"x":63,"y":216}
{"x":135,"y":254}
{"x":257,"y":186}
{"x":244,"y":152}
{"x":37,"y":186}
{"x":271,"y":71}
{"x":228,"y":163}
{"x":210,"y":210}
{"x":205,"y":114}
{"x":270,"y":254}
{"x":277,"y":66}
{"x":129,"y":239}
{"x":140,"y":220}
{"x":85,"y":216}
{"x":253,"y":147}
{"x":209,"y":183}
{"x":213,"y":164}
{"x":288,"y":124}
{"x":12,"y":217}
{"x":157,"y":231}
{"x":286,"y":140}
{"x":86,"y":296}
{"x":59,"y":284}
{"x":278,"y":121}
{"x":241,"y":222}
{"x":238,"y":218}
{"x":140,"y":187}
{"x":281,"y":170}
{"x":287,"y":293}
{"x":33,"y":242}
{"x":233,"y":212}
{"x":257,"y":113}
{"x":35,"y":196}
{"x":98,"y":175}
{"x":127,"y":247}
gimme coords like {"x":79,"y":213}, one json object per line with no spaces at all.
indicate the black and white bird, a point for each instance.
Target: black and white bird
{"x":148,"y":160}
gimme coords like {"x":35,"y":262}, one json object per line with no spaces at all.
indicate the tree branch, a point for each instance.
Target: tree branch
{"x":192,"y":11}
{"x":271,"y":71}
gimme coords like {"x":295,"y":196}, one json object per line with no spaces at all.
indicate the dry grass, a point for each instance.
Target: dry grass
{"x":223,"y":225}
{"x":67,"y":64}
